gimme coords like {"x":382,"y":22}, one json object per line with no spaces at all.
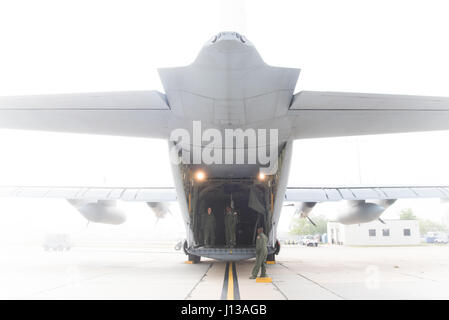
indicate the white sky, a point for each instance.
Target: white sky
{"x":78,"y":46}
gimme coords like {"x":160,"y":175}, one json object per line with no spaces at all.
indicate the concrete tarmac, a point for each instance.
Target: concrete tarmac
{"x":160,"y":272}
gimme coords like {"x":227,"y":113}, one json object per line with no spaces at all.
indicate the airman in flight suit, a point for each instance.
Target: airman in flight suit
{"x":209,"y":228}
{"x":261,"y":254}
{"x":231,"y":218}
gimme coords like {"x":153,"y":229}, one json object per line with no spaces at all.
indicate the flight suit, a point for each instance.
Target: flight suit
{"x":209,"y":229}
{"x":261,"y":255}
{"x":230,"y":228}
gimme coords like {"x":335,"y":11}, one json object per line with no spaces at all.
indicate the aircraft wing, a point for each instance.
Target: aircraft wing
{"x":128,"y":113}
{"x":97,"y":193}
{"x":317,"y":114}
{"x":304,"y":194}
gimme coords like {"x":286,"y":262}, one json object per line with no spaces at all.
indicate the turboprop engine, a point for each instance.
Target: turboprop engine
{"x":160,"y":209}
{"x":304,"y":208}
{"x":360,"y":211}
{"x":354,"y":212}
{"x":101,"y":211}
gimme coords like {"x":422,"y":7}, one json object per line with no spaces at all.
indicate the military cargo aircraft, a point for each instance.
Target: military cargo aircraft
{"x":230,"y":121}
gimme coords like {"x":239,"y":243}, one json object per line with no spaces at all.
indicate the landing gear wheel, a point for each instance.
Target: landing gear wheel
{"x":184,"y":247}
{"x":194,"y":259}
{"x":271,"y":257}
{"x":277,"y":247}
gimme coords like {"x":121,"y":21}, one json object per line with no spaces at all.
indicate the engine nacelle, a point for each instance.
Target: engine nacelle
{"x":101,"y":211}
{"x":360,"y":211}
{"x":304,"y":208}
{"x":160,"y":209}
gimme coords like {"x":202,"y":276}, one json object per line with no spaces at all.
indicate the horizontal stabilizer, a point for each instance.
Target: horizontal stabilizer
{"x":316,"y":114}
{"x":128,"y":113}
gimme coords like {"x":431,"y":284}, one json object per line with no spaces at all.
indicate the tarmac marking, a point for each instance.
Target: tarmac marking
{"x":230,"y":295}
{"x":250,"y":289}
{"x":189,"y":295}
{"x":230,"y":289}
{"x":280,"y":291}
{"x":418,"y":277}
{"x":236,"y":282}
{"x":314,"y":282}
{"x":74,"y":283}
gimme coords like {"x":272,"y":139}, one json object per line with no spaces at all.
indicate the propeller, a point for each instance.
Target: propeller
{"x":311,"y":221}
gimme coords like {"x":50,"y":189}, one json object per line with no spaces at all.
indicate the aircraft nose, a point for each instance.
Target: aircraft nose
{"x":229,"y":41}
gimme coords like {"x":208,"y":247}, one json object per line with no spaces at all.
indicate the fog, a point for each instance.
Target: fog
{"x":86,"y":46}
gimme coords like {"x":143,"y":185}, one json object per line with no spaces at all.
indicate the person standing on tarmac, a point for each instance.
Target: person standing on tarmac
{"x":209,"y":228}
{"x":261,"y":254}
{"x":230,"y":227}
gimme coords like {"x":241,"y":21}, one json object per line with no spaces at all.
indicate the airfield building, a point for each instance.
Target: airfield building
{"x":393,"y":232}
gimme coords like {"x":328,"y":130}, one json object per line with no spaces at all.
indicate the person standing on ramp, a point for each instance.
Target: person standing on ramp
{"x":230,"y":227}
{"x":261,"y":254}
{"x":209,"y":228}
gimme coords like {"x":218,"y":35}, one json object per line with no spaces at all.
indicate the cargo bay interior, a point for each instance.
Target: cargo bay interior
{"x":250,"y":196}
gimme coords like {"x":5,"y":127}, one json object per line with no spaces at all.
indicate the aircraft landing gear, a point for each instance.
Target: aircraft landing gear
{"x":277,"y":247}
{"x":271,"y":258}
{"x":194,"y":259}
{"x":191,"y":257}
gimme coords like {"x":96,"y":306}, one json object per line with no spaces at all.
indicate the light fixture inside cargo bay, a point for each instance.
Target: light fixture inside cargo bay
{"x":200,"y":175}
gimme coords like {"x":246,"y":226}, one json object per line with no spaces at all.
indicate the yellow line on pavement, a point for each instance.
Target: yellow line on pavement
{"x":230,"y":295}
